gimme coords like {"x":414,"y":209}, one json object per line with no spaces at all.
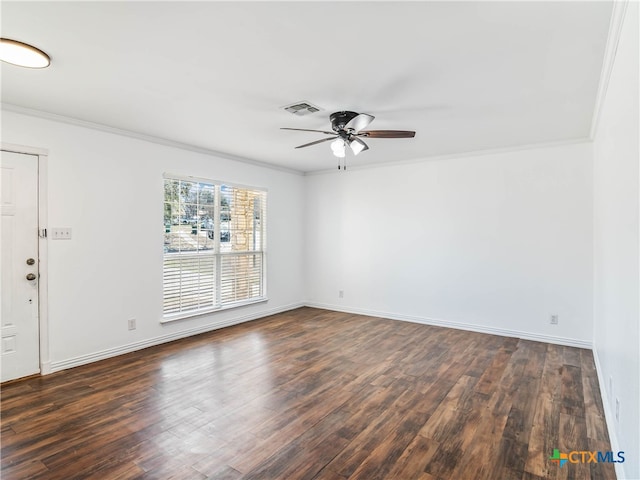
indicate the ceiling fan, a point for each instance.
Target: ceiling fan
{"x":348,"y":131}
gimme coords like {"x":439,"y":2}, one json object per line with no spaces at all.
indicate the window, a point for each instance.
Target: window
{"x":214,"y":246}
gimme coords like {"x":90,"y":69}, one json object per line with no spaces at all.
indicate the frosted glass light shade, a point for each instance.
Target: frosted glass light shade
{"x":337,"y":146}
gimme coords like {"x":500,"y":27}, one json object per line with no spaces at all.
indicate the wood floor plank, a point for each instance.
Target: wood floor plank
{"x":308,"y":454}
{"x":312,"y":394}
{"x":573,"y":437}
{"x":490,"y":379}
{"x":451,"y":420}
{"x":389,"y":450}
{"x":572,"y":396}
{"x":382,"y":423}
{"x":288,"y":427}
{"x":25,"y":469}
{"x":604,"y":471}
{"x":414,"y":459}
{"x":544,"y":435}
{"x":483,"y":443}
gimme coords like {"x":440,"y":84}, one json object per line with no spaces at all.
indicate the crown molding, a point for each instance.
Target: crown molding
{"x":453,"y":156}
{"x":142,"y":136}
{"x":615,"y":29}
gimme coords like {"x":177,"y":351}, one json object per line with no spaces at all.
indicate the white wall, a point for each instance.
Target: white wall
{"x":109,"y":188}
{"x":617,"y":243}
{"x":494,"y":242}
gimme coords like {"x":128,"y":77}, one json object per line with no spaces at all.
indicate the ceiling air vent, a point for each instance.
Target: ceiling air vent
{"x":302,"y":108}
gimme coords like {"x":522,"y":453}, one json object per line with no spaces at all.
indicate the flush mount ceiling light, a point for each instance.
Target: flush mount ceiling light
{"x":22,"y":54}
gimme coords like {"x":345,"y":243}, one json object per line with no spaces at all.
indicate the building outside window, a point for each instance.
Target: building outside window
{"x":214,"y":246}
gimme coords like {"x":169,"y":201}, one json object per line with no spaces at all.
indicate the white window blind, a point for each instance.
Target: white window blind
{"x":214,"y":246}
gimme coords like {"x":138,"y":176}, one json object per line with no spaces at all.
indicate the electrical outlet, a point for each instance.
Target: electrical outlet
{"x":340,"y":293}
{"x":618,"y":410}
{"x":554,"y":320}
{"x":132,"y":324}
{"x":63,"y":233}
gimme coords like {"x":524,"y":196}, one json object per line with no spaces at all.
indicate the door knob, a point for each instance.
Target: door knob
{"x":30,"y":261}
{"x":31,"y":276}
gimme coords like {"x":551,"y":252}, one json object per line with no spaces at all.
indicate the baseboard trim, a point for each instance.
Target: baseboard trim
{"x":608,"y":413}
{"x":132,"y":347}
{"x":570,"y":342}
{"x":45,"y":368}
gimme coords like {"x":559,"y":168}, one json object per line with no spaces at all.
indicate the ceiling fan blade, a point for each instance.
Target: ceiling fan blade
{"x":387,"y":134}
{"x":308,"y":130}
{"x":357,"y":145}
{"x":359,"y":122}
{"x":316,"y":142}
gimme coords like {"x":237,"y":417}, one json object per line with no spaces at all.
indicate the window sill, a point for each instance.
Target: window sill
{"x":198,"y":313}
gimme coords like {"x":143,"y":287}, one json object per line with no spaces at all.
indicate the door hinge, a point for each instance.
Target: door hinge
{"x":43,"y":233}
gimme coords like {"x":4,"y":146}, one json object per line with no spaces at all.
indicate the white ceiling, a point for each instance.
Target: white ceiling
{"x":466,"y":76}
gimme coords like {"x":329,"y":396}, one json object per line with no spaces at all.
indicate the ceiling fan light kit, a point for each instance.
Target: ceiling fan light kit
{"x":347,"y":129}
{"x":358,"y":146}
{"x":338,"y":148}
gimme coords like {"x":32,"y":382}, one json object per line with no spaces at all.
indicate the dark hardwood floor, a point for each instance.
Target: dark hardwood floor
{"x":317,"y":395}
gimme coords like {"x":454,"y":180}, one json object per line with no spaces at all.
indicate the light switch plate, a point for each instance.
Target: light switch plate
{"x":63,"y":233}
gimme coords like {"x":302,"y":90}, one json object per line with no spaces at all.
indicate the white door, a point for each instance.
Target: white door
{"x":19,"y":264}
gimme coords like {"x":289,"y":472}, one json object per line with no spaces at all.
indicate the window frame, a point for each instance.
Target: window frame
{"x":217,"y":253}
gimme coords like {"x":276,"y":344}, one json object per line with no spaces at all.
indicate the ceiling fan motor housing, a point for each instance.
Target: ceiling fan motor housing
{"x":340,"y":119}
